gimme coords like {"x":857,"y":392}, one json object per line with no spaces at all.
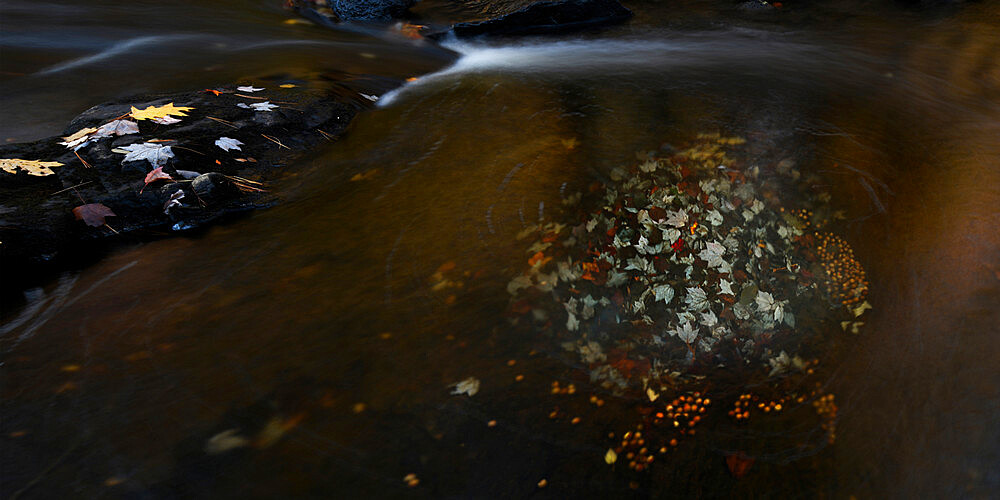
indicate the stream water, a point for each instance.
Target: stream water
{"x":315,"y":329}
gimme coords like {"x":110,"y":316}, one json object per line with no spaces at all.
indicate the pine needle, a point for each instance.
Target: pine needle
{"x":272,"y":139}
{"x":85,"y":164}
{"x":224,"y":122}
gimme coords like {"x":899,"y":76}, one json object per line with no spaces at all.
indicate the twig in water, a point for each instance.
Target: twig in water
{"x":326,"y":135}
{"x":220,"y":120}
{"x":249,"y":96}
{"x":71,"y":187}
{"x":188,"y":149}
{"x":272,"y":139}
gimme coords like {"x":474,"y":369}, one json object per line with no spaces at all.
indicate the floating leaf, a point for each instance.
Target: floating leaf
{"x":468,"y":386}
{"x":288,"y":85}
{"x":227,"y":143}
{"x":37,"y":168}
{"x":610,"y":457}
{"x":225,"y":441}
{"x":156,"y":154}
{"x":93,"y":214}
{"x":152,"y":112}
{"x":258,"y":106}
{"x":249,"y":88}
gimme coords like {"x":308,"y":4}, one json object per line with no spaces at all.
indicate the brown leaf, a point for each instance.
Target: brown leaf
{"x":739,"y":463}
{"x":93,"y":214}
{"x":157,"y":174}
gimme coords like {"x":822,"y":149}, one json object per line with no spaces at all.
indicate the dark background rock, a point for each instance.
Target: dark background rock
{"x":519,"y":17}
{"x":353,"y":10}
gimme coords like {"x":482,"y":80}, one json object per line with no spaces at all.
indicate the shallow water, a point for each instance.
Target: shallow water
{"x":318,"y":317}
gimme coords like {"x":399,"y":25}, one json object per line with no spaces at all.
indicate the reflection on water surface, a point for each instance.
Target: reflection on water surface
{"x":313,"y":346}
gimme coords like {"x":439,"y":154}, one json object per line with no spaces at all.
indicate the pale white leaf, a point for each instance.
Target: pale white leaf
{"x":468,"y":386}
{"x":228,"y":143}
{"x":697,"y":298}
{"x":156,"y":154}
{"x":249,"y":88}
{"x":664,"y":292}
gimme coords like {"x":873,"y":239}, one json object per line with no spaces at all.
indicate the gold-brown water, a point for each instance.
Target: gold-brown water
{"x":313,"y":327}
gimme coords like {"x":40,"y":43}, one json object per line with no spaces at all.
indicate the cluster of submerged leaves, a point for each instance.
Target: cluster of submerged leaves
{"x":680,"y":266}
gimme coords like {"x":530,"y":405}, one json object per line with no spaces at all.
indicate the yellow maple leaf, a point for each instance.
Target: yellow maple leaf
{"x":32,"y":167}
{"x":154,"y":112}
{"x":80,"y":134}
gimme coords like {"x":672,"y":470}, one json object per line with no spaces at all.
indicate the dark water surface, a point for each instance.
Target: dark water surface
{"x":315,"y":326}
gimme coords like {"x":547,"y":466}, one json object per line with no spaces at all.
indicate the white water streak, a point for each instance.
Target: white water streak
{"x":117,"y":49}
{"x":583,"y":57}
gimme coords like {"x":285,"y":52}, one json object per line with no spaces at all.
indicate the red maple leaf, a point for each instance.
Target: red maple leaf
{"x":93,"y":214}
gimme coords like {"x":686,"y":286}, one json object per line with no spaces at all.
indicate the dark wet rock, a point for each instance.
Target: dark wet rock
{"x":476,"y":17}
{"x":207,"y":182}
{"x":532,"y":17}
{"x":353,"y":10}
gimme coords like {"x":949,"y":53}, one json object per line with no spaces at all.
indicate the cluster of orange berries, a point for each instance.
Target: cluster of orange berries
{"x":827,"y":410}
{"x":684,"y":412}
{"x":637,"y":452}
{"x":743,"y":405}
{"x":804,"y":215}
{"x":846,"y":281}
{"x":557,"y":389}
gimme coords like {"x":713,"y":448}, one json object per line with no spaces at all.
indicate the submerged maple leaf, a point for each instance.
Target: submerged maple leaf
{"x":739,"y":463}
{"x":154,"y":112}
{"x":32,"y":167}
{"x":93,"y":214}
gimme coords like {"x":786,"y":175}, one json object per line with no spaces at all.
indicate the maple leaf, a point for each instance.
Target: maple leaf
{"x":249,"y":88}
{"x":79,"y":139}
{"x":37,"y":168}
{"x":156,"y":154}
{"x":258,"y":106}
{"x":686,"y":332}
{"x":157,"y":174}
{"x":166,"y":120}
{"x":765,"y":301}
{"x":726,"y":287}
{"x":697,"y":298}
{"x":93,"y":214}
{"x":713,"y":254}
{"x":677,"y":219}
{"x":227,"y":143}
{"x":738,"y":464}
{"x":117,"y":127}
{"x":152,"y":112}
{"x":664,"y":293}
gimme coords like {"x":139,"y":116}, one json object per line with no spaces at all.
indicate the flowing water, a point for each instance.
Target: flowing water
{"x":316,"y":325}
